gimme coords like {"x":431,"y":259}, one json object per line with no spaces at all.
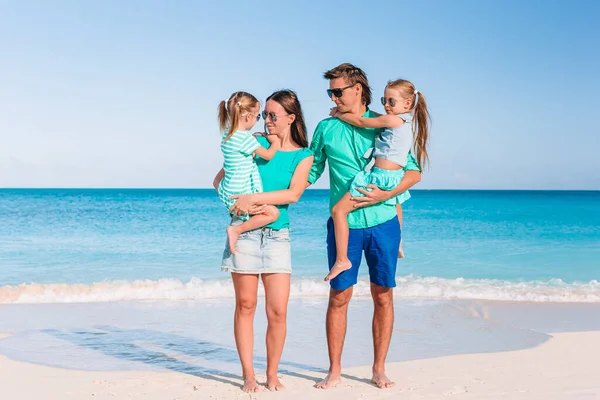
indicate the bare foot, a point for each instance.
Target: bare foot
{"x":274,"y":384}
{"x":250,"y":385}
{"x":329,"y":382}
{"x":339,"y":267}
{"x":382,"y":381}
{"x":233,"y":233}
{"x":400,"y":251}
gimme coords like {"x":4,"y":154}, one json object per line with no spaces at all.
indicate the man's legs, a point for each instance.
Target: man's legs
{"x":381,"y":252}
{"x":383,"y":324}
{"x":339,"y":297}
{"x":336,"y":322}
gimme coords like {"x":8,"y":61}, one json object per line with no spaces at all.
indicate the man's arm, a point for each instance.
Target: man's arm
{"x":412,"y":176}
{"x":318,"y":148}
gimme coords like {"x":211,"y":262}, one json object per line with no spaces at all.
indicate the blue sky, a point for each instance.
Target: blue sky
{"x":124,"y":93}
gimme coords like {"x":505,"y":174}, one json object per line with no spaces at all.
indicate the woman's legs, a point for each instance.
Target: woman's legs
{"x":246,"y":288}
{"x":277,"y":293}
{"x":340,"y":223}
{"x":399,"y":212}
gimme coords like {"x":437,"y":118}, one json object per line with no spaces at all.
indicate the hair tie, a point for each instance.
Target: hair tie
{"x":416,"y":91}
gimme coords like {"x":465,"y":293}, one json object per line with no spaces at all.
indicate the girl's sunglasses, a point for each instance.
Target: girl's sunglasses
{"x":271,"y":115}
{"x":338,"y":92}
{"x":391,"y":101}
{"x":257,"y":116}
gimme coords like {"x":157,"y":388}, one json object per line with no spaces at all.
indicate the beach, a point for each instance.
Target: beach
{"x":561,"y":368}
{"x":180,"y":350}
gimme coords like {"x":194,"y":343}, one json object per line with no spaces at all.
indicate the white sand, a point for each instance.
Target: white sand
{"x":562,"y":368}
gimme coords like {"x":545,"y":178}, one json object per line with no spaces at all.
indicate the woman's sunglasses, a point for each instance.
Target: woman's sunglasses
{"x":271,"y":115}
{"x":338,"y":92}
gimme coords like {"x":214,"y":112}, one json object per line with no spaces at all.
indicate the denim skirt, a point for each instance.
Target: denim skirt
{"x":261,"y":251}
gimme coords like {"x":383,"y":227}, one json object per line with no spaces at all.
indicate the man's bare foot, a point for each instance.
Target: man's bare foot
{"x":339,"y":267}
{"x":233,"y":233}
{"x":250,"y":385}
{"x":274,"y":384}
{"x":329,"y":382}
{"x":382,"y":381}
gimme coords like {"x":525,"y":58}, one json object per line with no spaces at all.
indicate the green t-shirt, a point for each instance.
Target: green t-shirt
{"x":276,"y":174}
{"x":347,"y":148}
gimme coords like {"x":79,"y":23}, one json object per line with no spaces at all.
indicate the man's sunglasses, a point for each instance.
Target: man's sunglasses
{"x":391,"y":101}
{"x":338,"y":92}
{"x":271,"y":115}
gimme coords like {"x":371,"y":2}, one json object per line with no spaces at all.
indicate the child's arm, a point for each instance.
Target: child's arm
{"x":383,"y":121}
{"x":218,"y":179}
{"x":269,"y":153}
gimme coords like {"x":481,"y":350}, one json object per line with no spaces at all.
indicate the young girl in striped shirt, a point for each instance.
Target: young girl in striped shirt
{"x":240,"y":174}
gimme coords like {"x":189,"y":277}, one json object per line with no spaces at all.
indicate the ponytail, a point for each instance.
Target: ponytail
{"x":423,"y":120}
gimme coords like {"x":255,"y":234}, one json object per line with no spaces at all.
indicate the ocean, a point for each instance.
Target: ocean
{"x":130,"y":279}
{"x":91,"y":245}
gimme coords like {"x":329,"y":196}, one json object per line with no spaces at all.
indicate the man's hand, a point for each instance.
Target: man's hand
{"x":333,"y":112}
{"x":375,"y":196}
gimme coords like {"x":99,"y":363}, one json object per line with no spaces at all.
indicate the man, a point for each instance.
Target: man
{"x":374,"y":226}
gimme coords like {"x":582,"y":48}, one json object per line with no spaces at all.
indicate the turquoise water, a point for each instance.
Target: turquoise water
{"x":124,"y":244}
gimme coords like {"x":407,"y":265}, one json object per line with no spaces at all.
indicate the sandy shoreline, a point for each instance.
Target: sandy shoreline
{"x":561,"y":368}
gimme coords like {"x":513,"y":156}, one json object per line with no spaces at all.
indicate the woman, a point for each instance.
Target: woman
{"x":265,"y":252}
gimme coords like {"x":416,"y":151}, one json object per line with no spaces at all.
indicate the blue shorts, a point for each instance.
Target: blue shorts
{"x":380,"y":244}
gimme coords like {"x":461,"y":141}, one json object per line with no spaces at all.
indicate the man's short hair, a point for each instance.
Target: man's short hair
{"x":353,"y":75}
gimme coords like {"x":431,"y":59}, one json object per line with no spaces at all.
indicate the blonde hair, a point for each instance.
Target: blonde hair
{"x":231,"y":110}
{"x":422,"y":119}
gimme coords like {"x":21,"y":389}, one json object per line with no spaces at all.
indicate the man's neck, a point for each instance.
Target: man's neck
{"x":359,"y":110}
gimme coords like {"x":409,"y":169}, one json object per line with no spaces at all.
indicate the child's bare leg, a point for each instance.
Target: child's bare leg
{"x":269,"y":214}
{"x":399,"y":211}
{"x":340,"y":224}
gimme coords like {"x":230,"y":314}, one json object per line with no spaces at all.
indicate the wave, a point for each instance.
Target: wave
{"x":554,"y":290}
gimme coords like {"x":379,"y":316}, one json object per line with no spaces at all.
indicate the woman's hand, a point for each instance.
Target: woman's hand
{"x":375,"y":196}
{"x":243,"y":205}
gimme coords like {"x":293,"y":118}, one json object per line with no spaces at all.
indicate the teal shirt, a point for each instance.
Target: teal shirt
{"x":276,"y":174}
{"x":346,"y":148}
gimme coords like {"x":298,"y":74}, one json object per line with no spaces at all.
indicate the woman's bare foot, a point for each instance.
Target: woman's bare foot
{"x":233,"y":233}
{"x":329,"y":382}
{"x":400,"y":251}
{"x":382,"y":381}
{"x":339,"y":267}
{"x":274,"y":384}
{"x":250,"y":385}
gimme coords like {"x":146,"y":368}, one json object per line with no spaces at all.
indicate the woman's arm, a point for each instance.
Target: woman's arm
{"x":218,"y":179}
{"x":383,"y":121}
{"x":297,"y":186}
